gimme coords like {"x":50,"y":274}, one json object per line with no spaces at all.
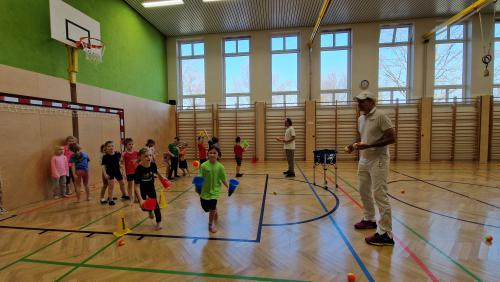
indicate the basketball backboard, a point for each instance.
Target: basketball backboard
{"x":68,"y":25}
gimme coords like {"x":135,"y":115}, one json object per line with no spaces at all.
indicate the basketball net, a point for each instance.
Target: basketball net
{"x":93,"y":48}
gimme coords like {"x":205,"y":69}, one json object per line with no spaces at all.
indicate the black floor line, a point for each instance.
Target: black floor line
{"x":312,"y":219}
{"x":449,"y":190}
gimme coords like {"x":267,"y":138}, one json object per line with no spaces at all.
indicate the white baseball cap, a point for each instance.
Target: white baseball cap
{"x":366,"y":95}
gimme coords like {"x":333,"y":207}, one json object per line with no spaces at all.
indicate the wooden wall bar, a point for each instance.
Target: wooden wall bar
{"x":425,"y":130}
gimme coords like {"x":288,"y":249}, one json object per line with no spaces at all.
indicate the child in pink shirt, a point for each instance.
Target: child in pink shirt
{"x":60,"y":170}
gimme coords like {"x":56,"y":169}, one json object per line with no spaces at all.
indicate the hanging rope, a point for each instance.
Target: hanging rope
{"x":487,"y":57}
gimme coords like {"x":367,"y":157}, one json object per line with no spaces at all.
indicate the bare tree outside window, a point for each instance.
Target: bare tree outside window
{"x":496,"y":63}
{"x":394,"y":63}
{"x":449,"y":64}
{"x":192,"y":74}
{"x":284,"y":70}
{"x":237,"y":72}
{"x":335,"y":62}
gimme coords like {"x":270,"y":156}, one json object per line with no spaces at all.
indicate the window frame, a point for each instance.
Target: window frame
{"x":447,"y":88}
{"x":495,"y":40}
{"x":409,"y":65}
{"x":348,"y":48}
{"x":224,"y":81}
{"x":285,"y":51}
{"x":180,"y":85}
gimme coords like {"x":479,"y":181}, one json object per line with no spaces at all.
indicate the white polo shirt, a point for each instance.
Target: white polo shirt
{"x":290,"y":131}
{"x":371,"y":128}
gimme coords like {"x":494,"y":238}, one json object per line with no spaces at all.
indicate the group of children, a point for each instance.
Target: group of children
{"x":214,"y":142}
{"x":71,"y":164}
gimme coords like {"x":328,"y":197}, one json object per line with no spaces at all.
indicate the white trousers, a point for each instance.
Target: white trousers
{"x":372,"y":177}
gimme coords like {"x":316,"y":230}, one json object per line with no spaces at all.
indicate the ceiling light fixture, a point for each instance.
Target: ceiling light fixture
{"x":153,"y":4}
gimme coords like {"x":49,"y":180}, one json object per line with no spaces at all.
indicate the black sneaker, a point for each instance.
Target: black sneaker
{"x":103,"y":201}
{"x":170,"y":178}
{"x":125,"y":198}
{"x":239,"y":174}
{"x":111,"y":203}
{"x":290,"y":174}
{"x":286,"y":172}
{"x":380,"y":240}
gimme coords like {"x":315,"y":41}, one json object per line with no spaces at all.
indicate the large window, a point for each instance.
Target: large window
{"x":192,"y":74}
{"x":237,"y":72}
{"x":496,"y":62}
{"x":335,"y":66}
{"x":394,"y":63}
{"x":449,"y":66}
{"x":285,"y":70}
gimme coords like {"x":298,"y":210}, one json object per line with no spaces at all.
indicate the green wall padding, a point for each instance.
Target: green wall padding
{"x":134,"y":62}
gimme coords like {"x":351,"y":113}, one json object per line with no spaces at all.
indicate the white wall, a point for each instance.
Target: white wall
{"x":364,"y":60}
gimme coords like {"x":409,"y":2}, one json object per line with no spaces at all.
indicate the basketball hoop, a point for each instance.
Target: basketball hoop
{"x":93,"y":48}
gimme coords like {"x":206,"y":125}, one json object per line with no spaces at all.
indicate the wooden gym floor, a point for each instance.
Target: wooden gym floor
{"x":271,"y":229}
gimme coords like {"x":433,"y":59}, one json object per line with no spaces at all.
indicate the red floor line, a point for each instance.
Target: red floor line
{"x":414,"y":256}
{"x":417,"y":260}
{"x":349,"y":196}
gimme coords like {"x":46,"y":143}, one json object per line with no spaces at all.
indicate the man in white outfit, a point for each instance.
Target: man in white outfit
{"x":376,"y":133}
{"x":289,"y":146}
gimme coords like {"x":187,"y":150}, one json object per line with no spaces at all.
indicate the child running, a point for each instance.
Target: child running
{"x":111,"y":169}
{"x":145,"y":182}
{"x":214,"y":174}
{"x":130,"y":159}
{"x":59,"y":168}
{"x":238,"y":155}
{"x":80,"y":170}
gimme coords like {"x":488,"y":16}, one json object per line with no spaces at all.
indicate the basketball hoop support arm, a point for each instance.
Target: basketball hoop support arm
{"x":322,"y":12}
{"x":465,"y":13}
{"x":72,"y":58}
{"x":324,"y":7}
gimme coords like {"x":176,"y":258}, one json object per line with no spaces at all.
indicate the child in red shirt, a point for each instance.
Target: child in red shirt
{"x":130,"y":159}
{"x":202,"y":150}
{"x":238,"y":155}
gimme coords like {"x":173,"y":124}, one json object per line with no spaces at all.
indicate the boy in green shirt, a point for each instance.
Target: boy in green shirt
{"x":215,"y":175}
{"x":173,"y":151}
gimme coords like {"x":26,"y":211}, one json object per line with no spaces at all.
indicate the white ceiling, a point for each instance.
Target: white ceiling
{"x":197,"y":17}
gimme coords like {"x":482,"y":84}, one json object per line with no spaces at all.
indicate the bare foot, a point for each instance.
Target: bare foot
{"x":158,"y":226}
{"x":212,"y":228}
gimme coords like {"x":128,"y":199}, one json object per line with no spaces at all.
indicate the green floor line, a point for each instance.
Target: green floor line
{"x":470,"y":273}
{"x":65,"y":236}
{"x":161,"y":271}
{"x":114,"y":240}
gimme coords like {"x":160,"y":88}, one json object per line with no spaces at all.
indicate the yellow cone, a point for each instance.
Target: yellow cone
{"x":163,"y":200}
{"x":122,"y":228}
